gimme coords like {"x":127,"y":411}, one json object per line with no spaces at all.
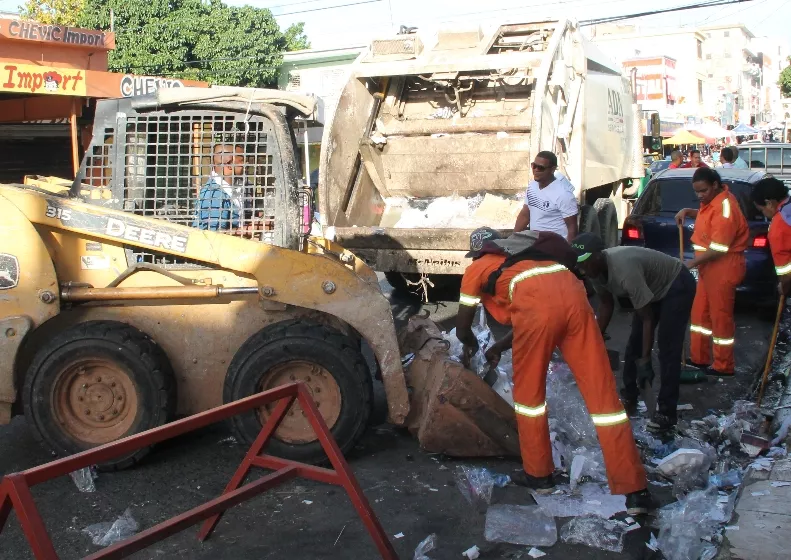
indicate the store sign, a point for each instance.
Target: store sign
{"x":34,"y":31}
{"x":140,"y":85}
{"x":26,"y":78}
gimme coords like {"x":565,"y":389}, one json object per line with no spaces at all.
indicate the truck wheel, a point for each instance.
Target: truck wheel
{"x":589,"y":220}
{"x":608,"y":221}
{"x":95,"y":383}
{"x":328,"y":362}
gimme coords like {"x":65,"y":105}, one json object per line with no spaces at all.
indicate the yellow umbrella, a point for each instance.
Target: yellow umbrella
{"x":683,"y":136}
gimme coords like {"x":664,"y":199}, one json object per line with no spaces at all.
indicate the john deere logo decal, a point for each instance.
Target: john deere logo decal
{"x":9,"y":271}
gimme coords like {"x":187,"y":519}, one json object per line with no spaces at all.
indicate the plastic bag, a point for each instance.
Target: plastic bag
{"x":684,"y":525}
{"x":594,"y":531}
{"x":475,"y":484}
{"x":525,"y":525}
{"x":106,"y":533}
{"x":589,"y":499}
{"x":83,"y":479}
{"x":565,"y":405}
{"x":426,"y":545}
{"x":485,"y":339}
{"x":586,"y":465}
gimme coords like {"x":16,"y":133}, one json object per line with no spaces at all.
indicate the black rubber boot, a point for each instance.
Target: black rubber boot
{"x":541,"y":484}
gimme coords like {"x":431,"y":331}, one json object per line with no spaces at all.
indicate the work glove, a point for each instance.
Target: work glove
{"x":645,"y":373}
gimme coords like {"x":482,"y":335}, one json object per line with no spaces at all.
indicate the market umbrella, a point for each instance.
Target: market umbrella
{"x":707,"y":137}
{"x":683,"y":137}
{"x":744,"y":130}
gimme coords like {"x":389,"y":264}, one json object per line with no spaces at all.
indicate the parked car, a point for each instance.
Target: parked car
{"x":652,"y":222}
{"x":772,"y":157}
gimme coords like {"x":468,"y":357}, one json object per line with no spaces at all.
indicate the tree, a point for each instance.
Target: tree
{"x":63,"y":12}
{"x":194,"y":39}
{"x":785,"y":80}
{"x":296,"y":40}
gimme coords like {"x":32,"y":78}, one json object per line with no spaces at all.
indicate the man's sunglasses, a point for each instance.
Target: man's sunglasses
{"x":537,"y":167}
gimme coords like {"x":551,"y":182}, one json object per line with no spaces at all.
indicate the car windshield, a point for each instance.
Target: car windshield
{"x":671,"y":195}
{"x":660,"y":165}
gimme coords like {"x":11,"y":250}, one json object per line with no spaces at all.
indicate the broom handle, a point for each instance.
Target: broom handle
{"x":772,"y":342}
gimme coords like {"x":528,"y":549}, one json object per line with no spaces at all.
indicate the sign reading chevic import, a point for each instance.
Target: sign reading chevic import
{"x":51,"y":80}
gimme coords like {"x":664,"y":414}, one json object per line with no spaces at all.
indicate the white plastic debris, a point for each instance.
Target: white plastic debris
{"x":106,"y":533}
{"x":681,"y":407}
{"x":594,"y":531}
{"x":524,"y":525}
{"x":472,"y":553}
{"x":782,"y":432}
{"x":83,"y":479}
{"x":398,"y":536}
{"x":652,"y":543}
{"x":780,"y":484}
{"x":681,"y":459}
{"x":761,"y":464}
{"x":426,"y":545}
{"x":761,"y":493}
{"x":535,"y":553}
{"x":590,"y":499}
{"x":307,"y":502}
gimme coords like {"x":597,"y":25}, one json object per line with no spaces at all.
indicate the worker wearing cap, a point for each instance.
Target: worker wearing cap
{"x":719,"y":240}
{"x":549,"y":308}
{"x":661,"y":290}
{"x":770,"y":196}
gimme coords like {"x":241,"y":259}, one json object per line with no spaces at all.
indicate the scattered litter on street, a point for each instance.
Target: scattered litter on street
{"x":535,"y":553}
{"x":83,"y":479}
{"x":682,"y":459}
{"x":683,"y":407}
{"x":763,"y":493}
{"x":594,"y":531}
{"x":780,"y":484}
{"x":106,"y":533}
{"x":472,"y":553}
{"x":339,"y":535}
{"x":652,"y":543}
{"x":476,"y":484}
{"x":307,"y":502}
{"x":525,"y":525}
{"x":398,"y":536}
{"x":426,"y":545}
{"x":589,"y":499}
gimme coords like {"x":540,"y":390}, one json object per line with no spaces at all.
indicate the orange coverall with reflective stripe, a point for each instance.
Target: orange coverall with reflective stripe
{"x":549,"y":308}
{"x":780,"y":240}
{"x":472,"y":283}
{"x":720,"y":226}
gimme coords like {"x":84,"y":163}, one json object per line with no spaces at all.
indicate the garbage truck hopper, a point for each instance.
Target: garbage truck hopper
{"x":433,"y":137}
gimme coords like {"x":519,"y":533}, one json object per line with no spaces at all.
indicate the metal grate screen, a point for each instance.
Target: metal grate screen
{"x":207,"y":170}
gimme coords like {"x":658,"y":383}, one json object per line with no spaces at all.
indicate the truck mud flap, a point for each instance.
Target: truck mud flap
{"x":453,"y":411}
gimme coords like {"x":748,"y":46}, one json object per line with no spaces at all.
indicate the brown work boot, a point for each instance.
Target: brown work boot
{"x":541,"y":484}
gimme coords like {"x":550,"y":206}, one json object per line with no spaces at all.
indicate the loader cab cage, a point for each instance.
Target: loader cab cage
{"x":214,"y":170}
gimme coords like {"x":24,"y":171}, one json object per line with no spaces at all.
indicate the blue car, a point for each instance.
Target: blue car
{"x":652,"y":223}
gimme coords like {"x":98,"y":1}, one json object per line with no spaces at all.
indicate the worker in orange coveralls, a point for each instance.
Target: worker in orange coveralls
{"x":548,"y":307}
{"x":719,"y":240}
{"x":770,"y":196}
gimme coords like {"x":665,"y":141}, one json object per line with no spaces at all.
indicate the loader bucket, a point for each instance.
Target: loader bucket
{"x":453,"y":411}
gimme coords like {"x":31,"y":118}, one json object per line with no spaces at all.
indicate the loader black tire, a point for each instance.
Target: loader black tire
{"x":589,"y":220}
{"x":97,"y":382}
{"x":608,"y":221}
{"x":319,"y":356}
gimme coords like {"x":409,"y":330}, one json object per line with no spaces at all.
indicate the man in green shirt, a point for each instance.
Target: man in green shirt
{"x":661,"y":290}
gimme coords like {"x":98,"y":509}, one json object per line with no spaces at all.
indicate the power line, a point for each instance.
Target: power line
{"x":665,"y":11}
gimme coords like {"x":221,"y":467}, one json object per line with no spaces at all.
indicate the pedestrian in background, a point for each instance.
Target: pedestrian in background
{"x":719,"y":240}
{"x":676,"y":159}
{"x":695,"y":160}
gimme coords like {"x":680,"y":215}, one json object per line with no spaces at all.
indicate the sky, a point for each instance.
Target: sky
{"x":338,"y":23}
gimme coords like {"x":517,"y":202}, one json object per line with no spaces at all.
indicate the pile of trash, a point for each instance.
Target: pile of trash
{"x":453,"y":212}
{"x":704,"y":465}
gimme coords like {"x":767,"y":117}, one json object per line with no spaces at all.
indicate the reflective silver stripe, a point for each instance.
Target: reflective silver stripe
{"x":722,"y":341}
{"x":700,"y":330}
{"x":698,"y":248}
{"x":532,"y":412}
{"x":609,"y":419}
{"x":781,"y":270}
{"x":726,"y":208}
{"x":717,"y":247}
{"x":533,"y":272}
{"x":464,"y":299}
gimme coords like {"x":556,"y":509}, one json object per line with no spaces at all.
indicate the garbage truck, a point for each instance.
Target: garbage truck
{"x":434,"y":136}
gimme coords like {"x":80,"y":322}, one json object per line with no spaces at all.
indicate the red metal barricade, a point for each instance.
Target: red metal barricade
{"x":15,"y":488}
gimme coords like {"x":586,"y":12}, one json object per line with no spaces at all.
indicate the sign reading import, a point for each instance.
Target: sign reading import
{"x":34,"y":31}
{"x":26,"y":78}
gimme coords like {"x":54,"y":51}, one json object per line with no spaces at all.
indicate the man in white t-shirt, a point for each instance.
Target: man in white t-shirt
{"x":550,"y":204}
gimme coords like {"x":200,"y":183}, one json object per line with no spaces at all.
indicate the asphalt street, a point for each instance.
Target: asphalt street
{"x":411,"y":491}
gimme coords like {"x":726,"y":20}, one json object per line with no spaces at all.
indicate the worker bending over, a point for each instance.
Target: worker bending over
{"x":719,"y":240}
{"x":661,"y":290}
{"x":770,"y":196}
{"x":526,"y":280}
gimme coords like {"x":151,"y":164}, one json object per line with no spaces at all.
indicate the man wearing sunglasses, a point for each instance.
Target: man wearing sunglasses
{"x":550,"y":204}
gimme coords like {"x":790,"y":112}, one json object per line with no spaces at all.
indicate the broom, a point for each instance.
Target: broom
{"x":772,"y":341}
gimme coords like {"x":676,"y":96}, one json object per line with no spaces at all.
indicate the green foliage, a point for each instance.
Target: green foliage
{"x":296,"y":40}
{"x":785,"y":80}
{"x":194,"y":39}
{"x":63,"y":12}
